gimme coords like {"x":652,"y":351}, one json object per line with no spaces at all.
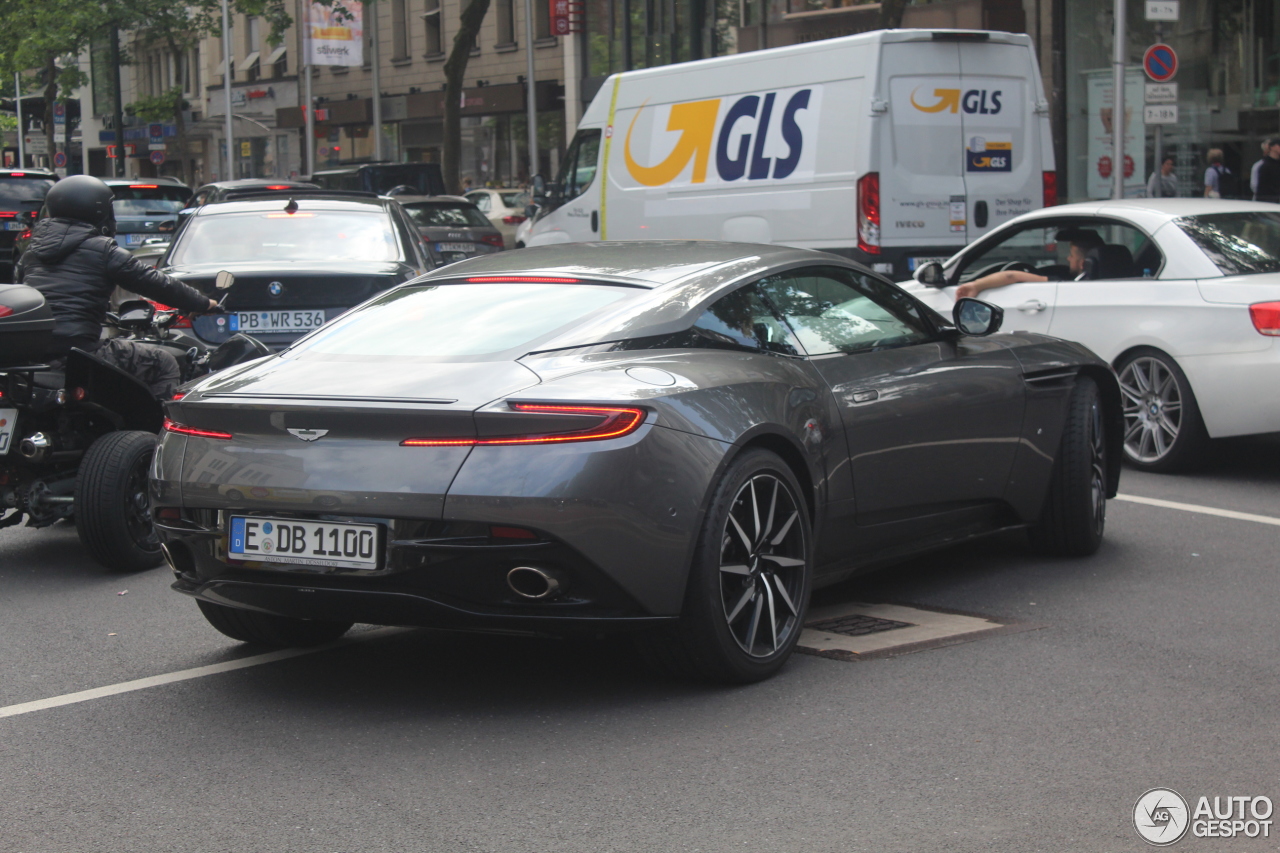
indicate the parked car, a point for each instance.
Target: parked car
{"x":1182,"y":297}
{"x":452,"y":228}
{"x":679,"y":439}
{"x":504,"y":208}
{"x":22,"y":193}
{"x":381,"y":178}
{"x":146,"y":209}
{"x":298,"y":261}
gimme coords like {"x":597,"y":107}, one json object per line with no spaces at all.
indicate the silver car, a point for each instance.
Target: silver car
{"x":680,"y":440}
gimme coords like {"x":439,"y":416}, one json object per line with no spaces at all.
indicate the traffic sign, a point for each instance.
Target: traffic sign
{"x":157,"y":157}
{"x":1160,"y":114}
{"x":1161,"y":93}
{"x":1160,"y":62}
{"x":60,"y":159}
{"x":1162,"y":10}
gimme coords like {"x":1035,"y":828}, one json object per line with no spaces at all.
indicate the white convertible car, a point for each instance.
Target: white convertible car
{"x":1182,"y":297}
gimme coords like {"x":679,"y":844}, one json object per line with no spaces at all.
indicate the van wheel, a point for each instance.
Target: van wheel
{"x":266,"y":629}
{"x":1163,"y":429}
{"x":113,"y":504}
{"x":749,"y":584}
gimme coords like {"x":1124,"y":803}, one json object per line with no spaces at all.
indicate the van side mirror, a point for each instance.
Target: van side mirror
{"x":977,"y":318}
{"x":530,"y":211}
{"x":539,"y":188}
{"x":930,"y":274}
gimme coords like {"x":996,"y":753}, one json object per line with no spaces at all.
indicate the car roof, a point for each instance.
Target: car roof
{"x":1165,"y":208}
{"x":642,"y":263}
{"x":311,"y":201}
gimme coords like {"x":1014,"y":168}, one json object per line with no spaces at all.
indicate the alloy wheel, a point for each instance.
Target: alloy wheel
{"x":762,"y":565}
{"x":1153,"y":408}
{"x":137,"y":510}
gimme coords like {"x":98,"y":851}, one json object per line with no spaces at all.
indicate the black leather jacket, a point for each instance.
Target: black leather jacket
{"x":76,"y":268}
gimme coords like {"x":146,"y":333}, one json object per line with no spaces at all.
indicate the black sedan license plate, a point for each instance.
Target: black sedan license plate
{"x":306,"y":543}
{"x":277,"y":321}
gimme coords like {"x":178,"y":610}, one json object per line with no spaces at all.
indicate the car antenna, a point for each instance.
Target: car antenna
{"x":292,"y":207}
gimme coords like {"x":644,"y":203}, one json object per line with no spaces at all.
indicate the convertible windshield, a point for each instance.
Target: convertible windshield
{"x":1238,"y":243}
{"x":321,"y":235}
{"x":459,"y":320}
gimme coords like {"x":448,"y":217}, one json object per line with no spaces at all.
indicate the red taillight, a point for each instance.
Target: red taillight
{"x":277,"y":186}
{"x":514,"y":219}
{"x":78,"y":393}
{"x":1049,"y":180}
{"x":1266,"y":318}
{"x":5,"y":310}
{"x":178,"y":395}
{"x":171,"y":513}
{"x":492,"y":240}
{"x":511,"y":533}
{"x":8,"y":214}
{"x":182,"y":322}
{"x":144,"y":186}
{"x":25,"y":235}
{"x":520,"y":279}
{"x":183,"y":429}
{"x":17,"y":174}
{"x":616,"y":421}
{"x":869,"y":213}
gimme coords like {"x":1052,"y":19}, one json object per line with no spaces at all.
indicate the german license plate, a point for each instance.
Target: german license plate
{"x":276,"y":321}
{"x":306,"y":543}
{"x":8,"y":422}
{"x":134,"y":239}
{"x":15,"y":226}
{"x":455,"y":247}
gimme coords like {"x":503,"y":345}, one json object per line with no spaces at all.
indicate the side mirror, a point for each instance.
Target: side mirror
{"x":977,"y":318}
{"x":167,"y":226}
{"x":224,"y":280}
{"x":539,"y":187}
{"x":931,"y":274}
{"x":530,"y":211}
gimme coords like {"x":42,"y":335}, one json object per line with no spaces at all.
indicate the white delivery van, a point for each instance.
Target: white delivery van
{"x":891,"y":147}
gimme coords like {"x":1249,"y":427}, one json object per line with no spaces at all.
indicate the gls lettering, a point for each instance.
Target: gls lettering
{"x":732,"y":168}
{"x":981,"y":102}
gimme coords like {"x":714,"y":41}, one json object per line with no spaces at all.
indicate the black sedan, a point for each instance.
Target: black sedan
{"x":452,"y":227}
{"x":22,"y":193}
{"x":297,"y":261}
{"x":676,"y":439}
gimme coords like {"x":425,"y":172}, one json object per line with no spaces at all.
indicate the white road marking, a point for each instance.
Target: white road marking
{"x":924,"y":625}
{"x":1203,"y":510}
{"x":181,"y":675}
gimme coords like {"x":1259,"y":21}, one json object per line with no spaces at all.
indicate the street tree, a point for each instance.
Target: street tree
{"x":455,"y":68}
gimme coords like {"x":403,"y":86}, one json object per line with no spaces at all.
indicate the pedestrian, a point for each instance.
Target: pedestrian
{"x":1163,"y":183}
{"x":1269,"y":173}
{"x":1253,"y":173}
{"x":1219,"y":181}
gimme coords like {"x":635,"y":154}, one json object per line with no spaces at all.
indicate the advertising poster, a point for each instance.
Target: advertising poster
{"x":1101,"y":106}
{"x":334,"y":35}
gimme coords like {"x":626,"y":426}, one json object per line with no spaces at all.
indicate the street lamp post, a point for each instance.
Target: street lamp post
{"x":226,"y":82}
{"x":1118,"y":122}
{"x":17,"y":100}
{"x":530,"y":91}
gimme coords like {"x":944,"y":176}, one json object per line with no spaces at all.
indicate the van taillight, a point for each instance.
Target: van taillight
{"x":1266,"y":318}
{"x":1050,"y":182}
{"x":869,"y":213}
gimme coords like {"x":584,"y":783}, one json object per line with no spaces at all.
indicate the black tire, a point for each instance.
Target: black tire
{"x":739,"y":577}
{"x":113,"y":502}
{"x":266,"y":629}
{"x":1152,"y":414}
{"x":1075,"y":509}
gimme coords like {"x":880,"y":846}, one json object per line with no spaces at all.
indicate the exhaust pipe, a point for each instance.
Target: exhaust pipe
{"x":534,"y":583}
{"x":36,"y":446}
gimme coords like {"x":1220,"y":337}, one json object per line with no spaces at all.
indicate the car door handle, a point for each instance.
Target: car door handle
{"x":865,"y":396}
{"x":1032,"y":306}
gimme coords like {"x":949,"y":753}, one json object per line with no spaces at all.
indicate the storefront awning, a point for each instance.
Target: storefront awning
{"x":277,"y":54}
{"x":249,"y":61}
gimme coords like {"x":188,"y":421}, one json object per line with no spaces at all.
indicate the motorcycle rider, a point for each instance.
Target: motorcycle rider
{"x":75,"y":262}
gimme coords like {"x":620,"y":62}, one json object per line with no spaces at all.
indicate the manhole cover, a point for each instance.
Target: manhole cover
{"x":857,"y":625}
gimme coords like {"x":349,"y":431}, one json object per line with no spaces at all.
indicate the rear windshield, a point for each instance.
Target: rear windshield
{"x":459,"y":320}
{"x":24,"y":193}
{"x":435,"y":214}
{"x":320,"y":235}
{"x":148,"y":200}
{"x":1239,"y":243}
{"x":422,"y":177}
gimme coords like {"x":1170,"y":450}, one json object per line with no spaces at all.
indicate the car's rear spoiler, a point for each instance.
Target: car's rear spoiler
{"x":294,"y":192}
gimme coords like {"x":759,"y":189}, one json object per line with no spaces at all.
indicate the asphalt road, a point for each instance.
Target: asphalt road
{"x":1151,"y":664}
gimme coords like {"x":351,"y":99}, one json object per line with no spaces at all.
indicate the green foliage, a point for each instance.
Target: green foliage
{"x":157,"y":108}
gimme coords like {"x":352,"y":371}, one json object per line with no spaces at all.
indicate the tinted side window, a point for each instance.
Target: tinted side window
{"x":837,"y":310}
{"x":480,"y":200}
{"x":743,"y":319}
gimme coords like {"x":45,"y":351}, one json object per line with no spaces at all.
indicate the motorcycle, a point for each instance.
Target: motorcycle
{"x":76,"y":443}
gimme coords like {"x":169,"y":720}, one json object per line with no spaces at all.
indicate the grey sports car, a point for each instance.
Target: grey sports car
{"x":680,"y":439}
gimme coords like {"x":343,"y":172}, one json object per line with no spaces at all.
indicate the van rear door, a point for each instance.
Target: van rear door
{"x":999,"y":91}
{"x":922,"y":190}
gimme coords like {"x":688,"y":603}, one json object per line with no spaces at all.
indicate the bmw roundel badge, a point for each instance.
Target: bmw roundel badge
{"x":275,"y":288}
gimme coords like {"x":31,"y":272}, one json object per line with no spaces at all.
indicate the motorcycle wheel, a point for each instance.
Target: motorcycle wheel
{"x":113,"y":505}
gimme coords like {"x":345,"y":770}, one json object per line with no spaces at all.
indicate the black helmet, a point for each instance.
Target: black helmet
{"x":81,"y":197}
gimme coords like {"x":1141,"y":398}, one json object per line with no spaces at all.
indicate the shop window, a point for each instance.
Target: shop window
{"x":541,"y":21}
{"x":399,"y":30}
{"x":434,"y":28}
{"x":506,"y":12}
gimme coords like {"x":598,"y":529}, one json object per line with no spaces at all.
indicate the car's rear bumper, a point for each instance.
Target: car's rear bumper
{"x":1235,"y":390}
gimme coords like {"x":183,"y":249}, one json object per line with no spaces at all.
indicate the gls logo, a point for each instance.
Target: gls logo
{"x":974,"y":102}
{"x":758,"y":136}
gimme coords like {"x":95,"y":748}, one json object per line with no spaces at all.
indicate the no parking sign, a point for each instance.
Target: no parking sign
{"x":1160,"y":62}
